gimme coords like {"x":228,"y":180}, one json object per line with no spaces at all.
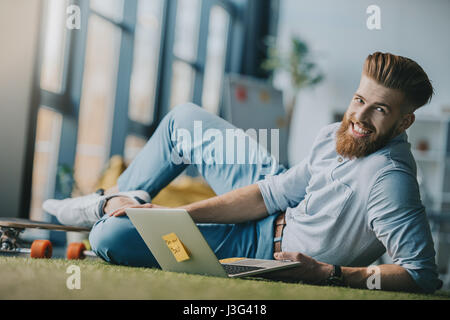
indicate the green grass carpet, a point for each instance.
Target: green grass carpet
{"x":24,"y":278}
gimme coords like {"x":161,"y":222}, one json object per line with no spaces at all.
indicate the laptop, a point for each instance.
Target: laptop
{"x":178,"y":246}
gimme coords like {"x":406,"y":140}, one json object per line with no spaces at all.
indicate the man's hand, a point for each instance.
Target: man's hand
{"x":121,"y":211}
{"x":237,"y":206}
{"x":309,"y":270}
{"x":393,"y":277}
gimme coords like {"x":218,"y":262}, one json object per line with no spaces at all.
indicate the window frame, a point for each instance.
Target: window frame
{"x":67,"y":101}
{"x":199,"y":63}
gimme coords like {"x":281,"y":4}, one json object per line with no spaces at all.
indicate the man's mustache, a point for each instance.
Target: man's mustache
{"x":363,"y":125}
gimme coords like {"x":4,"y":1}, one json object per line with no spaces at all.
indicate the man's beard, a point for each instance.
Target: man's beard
{"x":352,"y":147}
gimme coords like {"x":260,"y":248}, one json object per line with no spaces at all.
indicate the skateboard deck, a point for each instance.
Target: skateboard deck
{"x":25,"y":223}
{"x":11,"y":228}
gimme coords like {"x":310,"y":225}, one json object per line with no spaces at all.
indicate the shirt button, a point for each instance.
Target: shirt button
{"x":340,"y":159}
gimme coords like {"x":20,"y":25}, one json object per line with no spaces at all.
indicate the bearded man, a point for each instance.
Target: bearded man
{"x":354,"y":197}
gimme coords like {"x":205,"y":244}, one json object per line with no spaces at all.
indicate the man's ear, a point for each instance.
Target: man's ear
{"x":407,"y":121}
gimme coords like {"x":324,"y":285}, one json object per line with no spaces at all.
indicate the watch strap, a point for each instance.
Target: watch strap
{"x":337,"y":271}
{"x":336,"y":278}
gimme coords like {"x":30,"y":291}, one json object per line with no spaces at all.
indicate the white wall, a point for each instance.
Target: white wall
{"x":337,"y":34}
{"x":18,"y":41}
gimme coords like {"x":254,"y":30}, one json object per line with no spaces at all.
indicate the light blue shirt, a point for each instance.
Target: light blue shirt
{"x":349,"y":212}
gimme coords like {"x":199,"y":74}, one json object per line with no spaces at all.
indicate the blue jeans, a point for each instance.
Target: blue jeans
{"x":161,"y":160}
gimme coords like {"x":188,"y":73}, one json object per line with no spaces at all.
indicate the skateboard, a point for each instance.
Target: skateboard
{"x":10,"y":242}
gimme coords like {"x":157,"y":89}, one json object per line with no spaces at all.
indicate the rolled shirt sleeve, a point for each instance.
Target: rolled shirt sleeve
{"x":288,"y":189}
{"x":285,"y":190}
{"x":398,"y":219}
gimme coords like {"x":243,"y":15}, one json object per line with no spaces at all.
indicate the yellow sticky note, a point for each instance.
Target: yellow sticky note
{"x":177,"y":247}
{"x":230,"y":260}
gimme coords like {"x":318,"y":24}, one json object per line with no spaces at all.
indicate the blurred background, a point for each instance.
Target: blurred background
{"x":82,"y":81}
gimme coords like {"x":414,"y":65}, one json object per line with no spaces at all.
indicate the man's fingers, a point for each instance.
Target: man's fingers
{"x":281,"y":255}
{"x":291,"y":256}
{"x":121,"y":211}
{"x":118,"y":214}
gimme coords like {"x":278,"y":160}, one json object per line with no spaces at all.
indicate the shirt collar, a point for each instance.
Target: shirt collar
{"x":402,"y":137}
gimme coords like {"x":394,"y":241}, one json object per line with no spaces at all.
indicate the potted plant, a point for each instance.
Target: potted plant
{"x":298,"y":63}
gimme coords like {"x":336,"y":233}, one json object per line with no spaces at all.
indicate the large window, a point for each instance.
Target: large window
{"x":54,"y":45}
{"x":105,"y":86}
{"x":45,"y":159}
{"x":133,"y":145}
{"x":97,"y":100}
{"x":200,"y":52}
{"x":185,"y":51}
{"x":49,"y":120}
{"x":147,"y":45}
{"x":219,"y":23}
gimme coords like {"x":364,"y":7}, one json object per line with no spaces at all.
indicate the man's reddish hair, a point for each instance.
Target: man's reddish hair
{"x":404,"y":74}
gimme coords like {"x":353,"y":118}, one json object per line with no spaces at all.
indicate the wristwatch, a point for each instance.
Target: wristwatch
{"x":336,"y":278}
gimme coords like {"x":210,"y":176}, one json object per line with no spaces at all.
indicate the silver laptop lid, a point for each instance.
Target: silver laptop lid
{"x":154,"y":224}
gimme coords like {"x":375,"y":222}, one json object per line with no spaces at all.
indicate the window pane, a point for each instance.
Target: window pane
{"x":145,"y":63}
{"x":187,"y":29}
{"x":182,"y":83}
{"x":45,"y":159}
{"x":215,"y":59}
{"x":54,"y":45}
{"x":97,"y":102}
{"x":133,"y":144}
{"x":112,"y":9}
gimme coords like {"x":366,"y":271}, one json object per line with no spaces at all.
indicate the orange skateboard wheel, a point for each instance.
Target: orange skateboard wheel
{"x":75,"y":251}
{"x":41,"y":249}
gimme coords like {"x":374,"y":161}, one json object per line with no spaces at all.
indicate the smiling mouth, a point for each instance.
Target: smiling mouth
{"x":359,"y":131}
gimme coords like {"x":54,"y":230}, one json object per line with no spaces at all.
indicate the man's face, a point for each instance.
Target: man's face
{"x":373,"y":118}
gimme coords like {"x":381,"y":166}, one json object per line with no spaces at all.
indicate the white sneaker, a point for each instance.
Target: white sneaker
{"x":85,"y":211}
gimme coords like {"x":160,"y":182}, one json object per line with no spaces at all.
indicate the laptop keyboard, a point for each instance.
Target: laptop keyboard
{"x":235,"y":269}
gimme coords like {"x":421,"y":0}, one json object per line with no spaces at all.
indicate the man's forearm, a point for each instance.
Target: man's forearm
{"x":237,"y":206}
{"x":392,"y":277}
{"x":385,"y":277}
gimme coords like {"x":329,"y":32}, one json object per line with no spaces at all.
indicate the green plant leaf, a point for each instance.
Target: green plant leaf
{"x":298,"y":62}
